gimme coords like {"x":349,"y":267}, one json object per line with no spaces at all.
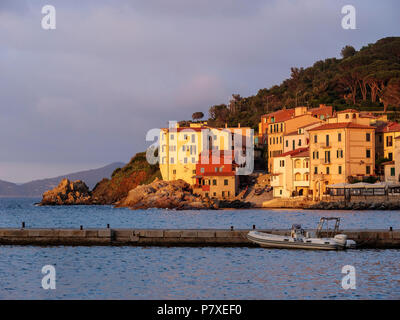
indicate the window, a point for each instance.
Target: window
{"x":368,"y":155}
{"x":194,"y":171}
{"x":214,"y":194}
{"x":172,"y":137}
{"x":206,"y":194}
{"x":193,"y":138}
{"x":280,"y":192}
{"x":282,"y":163}
{"x":202,"y":170}
{"x":327,"y":156}
{"x":340,"y":169}
{"x":173,"y":171}
{"x":185,"y":160}
{"x":172,"y":161}
{"x":339,"y":154}
{"x":368,"y":169}
{"x":368,"y":137}
{"x":339,"y":137}
{"x":216,"y":169}
{"x":223,"y":193}
{"x":327,"y":140}
{"x":293,"y":144}
{"x":287,"y":143}
{"x":327,"y":170}
{"x":214,"y":182}
{"x":390,"y":156}
{"x":315,"y":139}
{"x":389,"y":141}
{"x":347,"y":116}
{"x":392,"y":172}
{"x":280,"y":140}
{"x":299,"y":142}
{"x":315,"y":170}
{"x":185,"y":136}
{"x":297,"y":177}
{"x":193,"y":160}
{"x":225,"y":182}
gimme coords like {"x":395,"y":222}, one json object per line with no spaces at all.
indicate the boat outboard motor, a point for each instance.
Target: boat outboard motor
{"x":341,"y":239}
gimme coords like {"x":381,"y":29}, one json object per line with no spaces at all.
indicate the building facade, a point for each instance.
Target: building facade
{"x":339,"y":151}
{"x":216,"y":176}
{"x":291,"y":175}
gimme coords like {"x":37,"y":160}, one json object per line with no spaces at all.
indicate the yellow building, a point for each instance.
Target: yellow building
{"x":339,"y":151}
{"x":386,"y":136}
{"x":180,"y":147}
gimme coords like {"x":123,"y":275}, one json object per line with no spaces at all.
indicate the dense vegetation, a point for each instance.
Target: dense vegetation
{"x":368,"y":80}
{"x":138,"y":171}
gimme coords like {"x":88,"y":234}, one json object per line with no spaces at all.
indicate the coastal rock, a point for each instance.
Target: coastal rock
{"x":165,"y":195}
{"x":68,"y":193}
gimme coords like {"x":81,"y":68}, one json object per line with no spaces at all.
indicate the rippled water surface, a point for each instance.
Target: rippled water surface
{"x":192,"y":273}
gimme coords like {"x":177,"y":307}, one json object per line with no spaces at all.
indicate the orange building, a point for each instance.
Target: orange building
{"x":216,"y":175}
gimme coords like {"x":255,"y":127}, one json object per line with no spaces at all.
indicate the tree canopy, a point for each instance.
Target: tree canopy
{"x":367,"y":79}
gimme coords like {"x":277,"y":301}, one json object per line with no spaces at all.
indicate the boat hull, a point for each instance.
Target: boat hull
{"x":267,"y":243}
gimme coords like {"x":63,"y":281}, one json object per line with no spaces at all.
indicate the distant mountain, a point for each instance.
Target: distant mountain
{"x":8,"y":189}
{"x":37,"y":187}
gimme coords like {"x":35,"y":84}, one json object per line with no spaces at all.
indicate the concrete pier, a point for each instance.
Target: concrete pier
{"x":382,"y":239}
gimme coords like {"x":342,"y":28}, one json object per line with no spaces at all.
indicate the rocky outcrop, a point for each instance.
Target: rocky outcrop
{"x":360,"y":205}
{"x":166,"y":195}
{"x":68,"y":193}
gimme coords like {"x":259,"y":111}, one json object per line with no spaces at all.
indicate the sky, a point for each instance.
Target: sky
{"x":85,"y":94}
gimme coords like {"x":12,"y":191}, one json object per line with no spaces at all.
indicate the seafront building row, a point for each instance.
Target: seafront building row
{"x":306,"y":152}
{"x":306,"y":157}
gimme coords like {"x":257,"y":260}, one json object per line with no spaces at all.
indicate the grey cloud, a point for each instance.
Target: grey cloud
{"x":89,"y":91}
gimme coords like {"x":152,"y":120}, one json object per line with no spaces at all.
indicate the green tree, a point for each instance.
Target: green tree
{"x":347,"y":52}
{"x":197,"y":115}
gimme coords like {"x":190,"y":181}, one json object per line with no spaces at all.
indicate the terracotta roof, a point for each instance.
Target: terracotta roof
{"x":281,"y":115}
{"x":292,"y":153}
{"x":341,"y":125}
{"x":389,"y":127}
{"x":310,"y":124}
{"x":293,"y":133}
{"x":305,"y":153}
{"x":326,"y":110}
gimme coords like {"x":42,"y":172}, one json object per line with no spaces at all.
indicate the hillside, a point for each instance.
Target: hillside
{"x":8,"y":189}
{"x":138,"y":171}
{"x":37,"y":187}
{"x":368,"y":79}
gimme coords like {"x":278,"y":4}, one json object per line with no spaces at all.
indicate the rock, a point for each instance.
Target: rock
{"x":165,"y":195}
{"x":68,"y":193}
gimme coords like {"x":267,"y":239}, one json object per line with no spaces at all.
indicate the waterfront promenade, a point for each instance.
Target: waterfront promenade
{"x":369,"y":238}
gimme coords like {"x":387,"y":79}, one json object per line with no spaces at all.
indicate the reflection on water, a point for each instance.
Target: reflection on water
{"x":192,"y":273}
{"x":196,"y":273}
{"x":14,"y":211}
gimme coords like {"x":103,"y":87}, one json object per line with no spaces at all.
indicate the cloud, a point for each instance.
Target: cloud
{"x":88,"y":91}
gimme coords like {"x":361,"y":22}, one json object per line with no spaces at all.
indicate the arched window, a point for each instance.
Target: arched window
{"x":347,"y":116}
{"x":297,"y":176}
